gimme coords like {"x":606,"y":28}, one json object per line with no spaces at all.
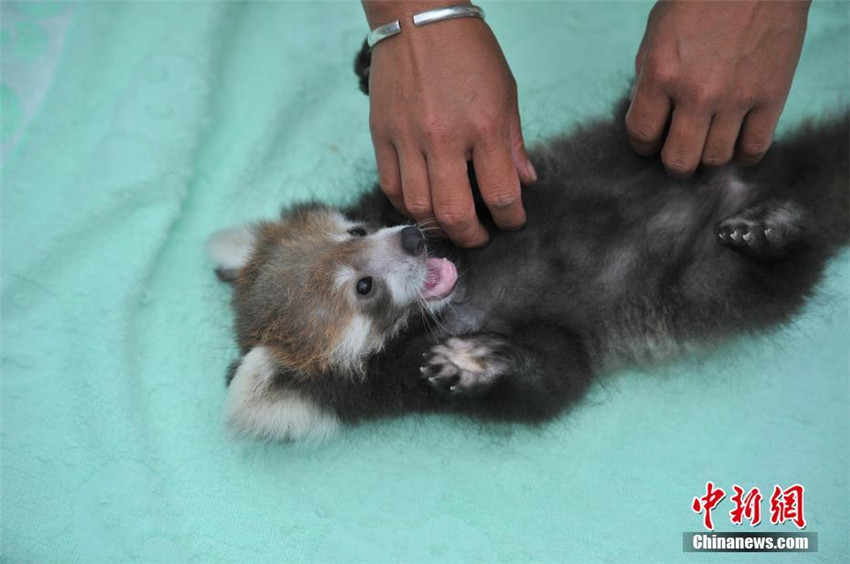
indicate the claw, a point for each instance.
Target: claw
{"x":764,"y":230}
{"x":430,"y":371}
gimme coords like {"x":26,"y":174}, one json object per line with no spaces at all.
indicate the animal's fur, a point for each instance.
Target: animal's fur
{"x":617,"y":264}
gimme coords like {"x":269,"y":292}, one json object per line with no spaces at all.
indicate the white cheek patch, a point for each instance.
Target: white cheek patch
{"x":231,"y":249}
{"x":256,"y":410}
{"x":356,"y":341}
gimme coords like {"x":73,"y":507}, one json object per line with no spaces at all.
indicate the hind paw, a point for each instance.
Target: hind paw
{"x":739,"y":232}
{"x":764,"y":230}
{"x":465,"y":365}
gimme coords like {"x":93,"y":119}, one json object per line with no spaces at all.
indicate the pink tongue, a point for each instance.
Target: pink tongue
{"x":440,"y":280}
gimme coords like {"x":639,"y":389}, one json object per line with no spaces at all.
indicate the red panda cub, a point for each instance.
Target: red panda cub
{"x":346,"y":315}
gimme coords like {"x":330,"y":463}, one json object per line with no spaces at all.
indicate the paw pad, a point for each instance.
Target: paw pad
{"x":464,"y":365}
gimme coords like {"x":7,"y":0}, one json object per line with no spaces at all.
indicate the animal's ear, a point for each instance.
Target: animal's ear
{"x":231,"y":250}
{"x":259,"y":406}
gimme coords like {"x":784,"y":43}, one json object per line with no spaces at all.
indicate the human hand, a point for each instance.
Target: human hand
{"x":442,"y":95}
{"x":719,"y":74}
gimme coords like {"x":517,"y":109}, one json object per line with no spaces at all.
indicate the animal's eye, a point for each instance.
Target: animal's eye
{"x":364,"y":286}
{"x":357,"y":232}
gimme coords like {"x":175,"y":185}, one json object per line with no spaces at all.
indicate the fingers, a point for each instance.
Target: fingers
{"x":389,"y":175}
{"x":685,"y":141}
{"x":452,"y":200}
{"x":414,"y":181}
{"x":697,"y":137}
{"x":757,"y":133}
{"x":521,"y":162}
{"x":720,"y":143}
{"x":647,"y":118}
{"x":499,"y":185}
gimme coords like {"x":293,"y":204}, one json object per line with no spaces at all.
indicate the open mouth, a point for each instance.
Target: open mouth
{"x":440,"y":279}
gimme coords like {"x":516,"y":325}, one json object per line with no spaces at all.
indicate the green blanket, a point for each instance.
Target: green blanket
{"x":132,"y":131}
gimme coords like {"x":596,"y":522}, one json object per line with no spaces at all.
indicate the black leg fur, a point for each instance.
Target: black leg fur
{"x":528,"y":375}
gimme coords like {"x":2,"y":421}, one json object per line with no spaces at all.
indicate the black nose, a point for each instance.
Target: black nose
{"x":412,"y":240}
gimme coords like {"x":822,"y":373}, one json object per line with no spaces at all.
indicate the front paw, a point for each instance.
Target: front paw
{"x":466,"y":365}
